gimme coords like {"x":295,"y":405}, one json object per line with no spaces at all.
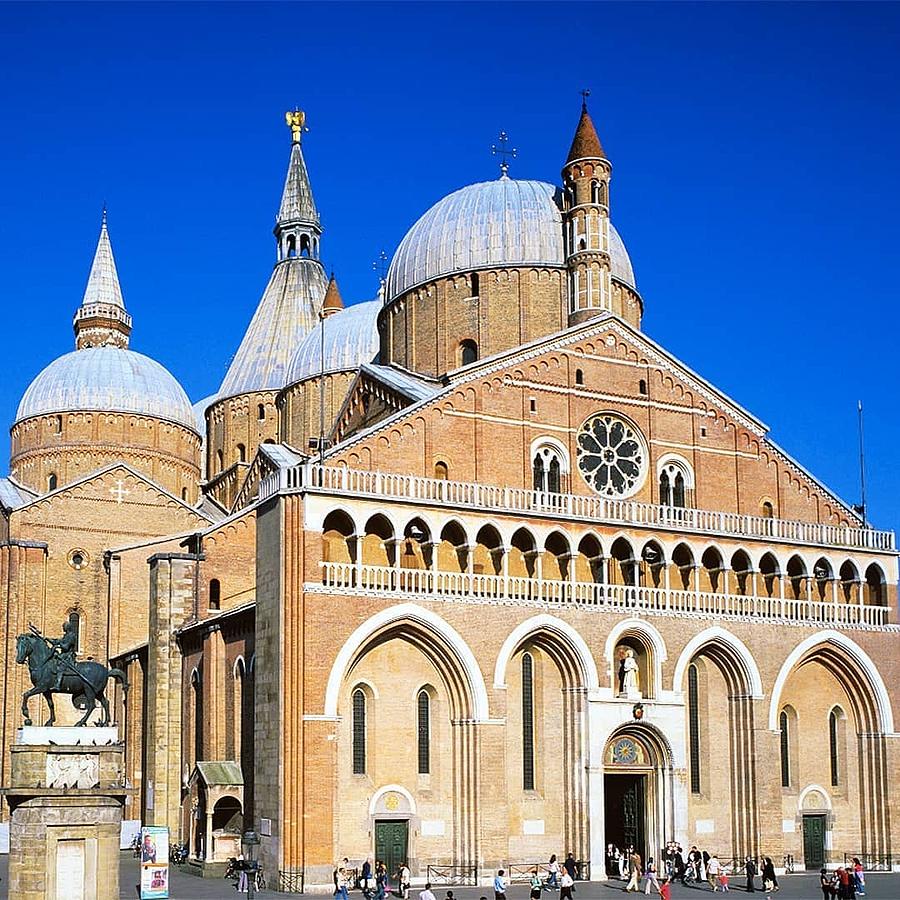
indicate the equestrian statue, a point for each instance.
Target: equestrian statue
{"x":54,"y":670}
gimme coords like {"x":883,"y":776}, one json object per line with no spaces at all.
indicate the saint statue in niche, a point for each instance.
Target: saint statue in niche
{"x":629,"y":674}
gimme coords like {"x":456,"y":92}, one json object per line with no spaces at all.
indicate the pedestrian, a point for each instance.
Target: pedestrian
{"x":723,"y":878}
{"x":537,"y":886}
{"x":553,"y":873}
{"x":650,"y":876}
{"x":678,"y":865}
{"x":634,"y":872}
{"x":859,"y":876}
{"x":427,"y":894}
{"x":343,"y":883}
{"x":566,"y":885}
{"x":365,"y":879}
{"x":499,"y":886}
{"x":770,"y":881}
{"x":403,"y":877}
{"x":380,"y":880}
{"x":665,"y":889}
{"x":713,"y":868}
{"x":611,"y":857}
{"x":750,"y":869}
{"x":826,"y":882}
{"x":572,"y":868}
{"x":623,"y":864}
{"x":694,"y":861}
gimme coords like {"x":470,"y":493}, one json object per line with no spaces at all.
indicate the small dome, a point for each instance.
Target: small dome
{"x":351,"y":339}
{"x":492,"y":223}
{"x":107,"y":379}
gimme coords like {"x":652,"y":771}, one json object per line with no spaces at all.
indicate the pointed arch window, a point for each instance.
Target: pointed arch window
{"x":51,"y":481}
{"x":783,"y":724}
{"x":423,"y":731}
{"x":694,"y":726}
{"x":546,"y":470}
{"x":527,"y":722}
{"x":359,"y":732}
{"x":675,"y":478}
{"x":833,"y":753}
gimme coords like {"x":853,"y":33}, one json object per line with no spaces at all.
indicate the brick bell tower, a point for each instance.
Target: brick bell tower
{"x":586,"y":176}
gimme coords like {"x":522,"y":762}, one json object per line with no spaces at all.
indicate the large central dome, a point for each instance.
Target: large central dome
{"x":492,"y":223}
{"x":108,"y":379}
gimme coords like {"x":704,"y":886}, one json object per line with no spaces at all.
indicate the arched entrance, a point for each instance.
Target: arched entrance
{"x":637,"y":789}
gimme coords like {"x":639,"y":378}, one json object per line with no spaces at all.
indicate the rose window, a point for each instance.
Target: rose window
{"x":612,"y":456}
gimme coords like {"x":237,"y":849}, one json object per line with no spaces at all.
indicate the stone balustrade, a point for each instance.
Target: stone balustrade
{"x":342,"y":481}
{"x":394,"y":582}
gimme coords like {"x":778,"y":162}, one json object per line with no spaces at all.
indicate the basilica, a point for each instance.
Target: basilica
{"x":462,"y":575}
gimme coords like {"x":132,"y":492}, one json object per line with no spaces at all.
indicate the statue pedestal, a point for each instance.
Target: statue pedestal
{"x":65,"y":798}
{"x":631,"y":694}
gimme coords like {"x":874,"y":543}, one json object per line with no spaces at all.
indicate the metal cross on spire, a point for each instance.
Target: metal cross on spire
{"x":503,"y":152}
{"x":380,"y":265}
{"x":585,"y":93}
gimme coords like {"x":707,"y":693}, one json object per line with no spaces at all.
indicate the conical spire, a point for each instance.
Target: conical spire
{"x":101,"y":320}
{"x":297,"y":204}
{"x":103,"y":282}
{"x":333,"y":301}
{"x":586,"y":144}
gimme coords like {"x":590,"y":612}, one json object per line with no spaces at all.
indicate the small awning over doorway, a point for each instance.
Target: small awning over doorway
{"x":217,"y":801}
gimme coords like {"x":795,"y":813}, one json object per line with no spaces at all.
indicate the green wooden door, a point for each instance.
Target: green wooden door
{"x":633,"y":814}
{"x":390,"y":845}
{"x":814,"y":841}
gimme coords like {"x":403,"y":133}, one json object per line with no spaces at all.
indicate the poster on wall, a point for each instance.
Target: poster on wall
{"x":154,"y":863}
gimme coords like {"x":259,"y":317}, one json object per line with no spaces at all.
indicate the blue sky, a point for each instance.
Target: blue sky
{"x":754,"y":152}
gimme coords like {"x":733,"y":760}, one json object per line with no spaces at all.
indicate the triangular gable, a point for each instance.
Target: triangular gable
{"x":119,"y":492}
{"x":611,"y":328}
{"x":376,"y":393}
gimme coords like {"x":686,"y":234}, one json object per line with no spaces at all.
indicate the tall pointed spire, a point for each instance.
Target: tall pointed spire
{"x":103,"y":282}
{"x":102,"y":320}
{"x":290,"y":306}
{"x":586,"y":144}
{"x":297,"y":204}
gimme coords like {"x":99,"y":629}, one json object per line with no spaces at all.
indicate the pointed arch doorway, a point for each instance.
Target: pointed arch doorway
{"x":637,"y":783}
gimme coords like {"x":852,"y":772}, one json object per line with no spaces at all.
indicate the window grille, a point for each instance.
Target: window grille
{"x":527,"y":722}
{"x":424,"y":732}
{"x":694,"y":727}
{"x":359,"y":733}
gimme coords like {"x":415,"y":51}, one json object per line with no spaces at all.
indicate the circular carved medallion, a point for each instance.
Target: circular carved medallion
{"x":612,"y":455}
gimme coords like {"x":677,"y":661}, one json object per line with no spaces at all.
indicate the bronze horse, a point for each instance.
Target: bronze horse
{"x":85,"y":683}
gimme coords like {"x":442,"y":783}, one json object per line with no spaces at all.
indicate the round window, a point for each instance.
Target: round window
{"x":78,"y":559}
{"x":612,"y":455}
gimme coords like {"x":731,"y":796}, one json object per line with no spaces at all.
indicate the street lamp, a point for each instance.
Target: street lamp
{"x":250,"y":840}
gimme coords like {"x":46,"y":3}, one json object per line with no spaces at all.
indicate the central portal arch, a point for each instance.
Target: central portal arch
{"x":638,"y":776}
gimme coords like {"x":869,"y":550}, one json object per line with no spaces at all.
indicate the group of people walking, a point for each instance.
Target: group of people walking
{"x":373,"y":882}
{"x":696,"y":867}
{"x":845,"y":883}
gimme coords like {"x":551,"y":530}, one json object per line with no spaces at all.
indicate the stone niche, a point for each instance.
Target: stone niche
{"x":65,"y":802}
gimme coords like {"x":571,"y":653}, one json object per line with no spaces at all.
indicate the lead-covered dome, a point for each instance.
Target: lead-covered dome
{"x":351,"y":339}
{"x":493,"y":223}
{"x":107,"y":379}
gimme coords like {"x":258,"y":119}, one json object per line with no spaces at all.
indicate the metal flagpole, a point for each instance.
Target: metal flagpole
{"x":862,"y":463}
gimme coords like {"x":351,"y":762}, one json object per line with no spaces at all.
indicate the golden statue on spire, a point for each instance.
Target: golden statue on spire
{"x":296,"y":121}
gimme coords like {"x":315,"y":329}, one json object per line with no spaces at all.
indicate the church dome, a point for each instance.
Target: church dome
{"x":351,"y":339}
{"x":493,"y":223}
{"x":107,"y":379}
